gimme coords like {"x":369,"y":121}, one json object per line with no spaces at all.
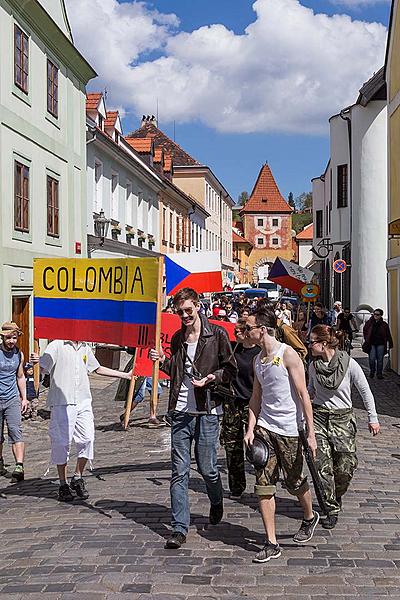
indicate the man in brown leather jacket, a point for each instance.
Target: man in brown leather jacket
{"x":201,"y":366}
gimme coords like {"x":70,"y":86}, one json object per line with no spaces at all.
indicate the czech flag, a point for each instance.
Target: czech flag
{"x":198,"y":270}
{"x":290,"y":275}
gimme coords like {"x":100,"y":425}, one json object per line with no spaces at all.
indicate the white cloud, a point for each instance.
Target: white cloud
{"x":288,"y":72}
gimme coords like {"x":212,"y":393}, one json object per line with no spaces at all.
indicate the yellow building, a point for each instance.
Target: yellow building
{"x":392,"y":68}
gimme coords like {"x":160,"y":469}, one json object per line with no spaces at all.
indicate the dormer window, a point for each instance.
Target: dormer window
{"x":101,"y":122}
{"x":116,"y":136}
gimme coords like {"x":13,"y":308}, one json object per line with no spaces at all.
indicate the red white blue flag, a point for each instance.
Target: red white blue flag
{"x":198,"y":270}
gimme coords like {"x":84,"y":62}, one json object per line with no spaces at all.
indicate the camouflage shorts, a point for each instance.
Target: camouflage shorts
{"x":286,"y":455}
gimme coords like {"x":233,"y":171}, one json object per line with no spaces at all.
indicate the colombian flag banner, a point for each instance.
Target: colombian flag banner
{"x":97,"y":300}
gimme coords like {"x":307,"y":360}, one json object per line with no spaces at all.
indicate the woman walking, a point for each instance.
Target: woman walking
{"x":378,"y":342}
{"x":332,"y":374}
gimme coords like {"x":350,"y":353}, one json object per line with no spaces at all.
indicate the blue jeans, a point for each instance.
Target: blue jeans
{"x":376,"y":355}
{"x":204,"y":431}
{"x":146,"y":385}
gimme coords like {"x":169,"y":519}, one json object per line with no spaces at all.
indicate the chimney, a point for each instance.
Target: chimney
{"x":148,"y":120}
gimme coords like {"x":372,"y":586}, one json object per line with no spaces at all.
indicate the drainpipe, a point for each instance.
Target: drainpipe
{"x":346,"y":111}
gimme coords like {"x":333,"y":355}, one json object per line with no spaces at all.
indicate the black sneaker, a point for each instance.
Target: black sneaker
{"x":380,"y":376}
{"x":3,"y":470}
{"x":175,"y":541}
{"x":78,"y":485}
{"x":267,"y":553}
{"x":306,"y":530}
{"x":65,"y":494}
{"x":18,"y":474}
{"x":329,"y":522}
{"x":216,"y":513}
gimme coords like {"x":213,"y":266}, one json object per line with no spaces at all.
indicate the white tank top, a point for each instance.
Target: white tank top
{"x":280,"y":406}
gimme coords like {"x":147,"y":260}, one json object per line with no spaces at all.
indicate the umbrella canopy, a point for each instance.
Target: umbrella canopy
{"x":289,"y":275}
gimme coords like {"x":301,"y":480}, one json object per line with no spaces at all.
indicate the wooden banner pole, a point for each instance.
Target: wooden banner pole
{"x":156,"y":364}
{"x":36,"y":367}
{"x":131,"y":390}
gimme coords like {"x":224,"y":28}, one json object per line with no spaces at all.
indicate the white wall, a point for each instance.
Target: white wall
{"x":369,"y":225}
{"x":305,"y":254}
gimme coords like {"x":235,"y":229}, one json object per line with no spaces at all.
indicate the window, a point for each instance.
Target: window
{"x":318,"y":226}
{"x":101,"y":123}
{"x":53,"y":228}
{"x":21,"y":59}
{"x":275,"y":241}
{"x":52,"y":88}
{"x":275,"y":222}
{"x":171,"y":227}
{"x":98,"y":172}
{"x":260,"y":222}
{"x":21,"y":197}
{"x":342,"y":186}
{"x":260,"y":241}
{"x":164,"y":223}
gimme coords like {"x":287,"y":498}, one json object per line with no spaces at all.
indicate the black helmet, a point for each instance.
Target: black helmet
{"x":258,"y":453}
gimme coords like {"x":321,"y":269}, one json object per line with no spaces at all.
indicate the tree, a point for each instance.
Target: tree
{"x":291,"y":201}
{"x":304,"y":201}
{"x":243,"y":197}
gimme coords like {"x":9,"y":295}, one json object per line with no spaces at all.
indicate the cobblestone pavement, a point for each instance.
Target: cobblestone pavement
{"x":112,"y":545}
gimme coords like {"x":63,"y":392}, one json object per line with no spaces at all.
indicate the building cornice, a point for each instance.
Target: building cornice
{"x":38,"y":19}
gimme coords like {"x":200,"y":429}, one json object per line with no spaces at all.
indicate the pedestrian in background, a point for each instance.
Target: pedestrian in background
{"x":377,"y":342}
{"x":236,"y":410}
{"x":13,"y":400}
{"x":32,"y":393}
{"x":331,"y":376}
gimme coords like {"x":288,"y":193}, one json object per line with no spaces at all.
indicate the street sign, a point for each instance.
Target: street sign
{"x":309,"y":292}
{"x":340,"y":265}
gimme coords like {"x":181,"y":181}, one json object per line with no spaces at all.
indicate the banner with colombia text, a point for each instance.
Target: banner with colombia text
{"x":110,"y":300}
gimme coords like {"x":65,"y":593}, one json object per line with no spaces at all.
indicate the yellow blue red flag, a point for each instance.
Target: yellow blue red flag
{"x":96,"y":300}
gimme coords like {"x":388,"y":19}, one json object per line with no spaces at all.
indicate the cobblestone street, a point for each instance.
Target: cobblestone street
{"x":112,"y":545}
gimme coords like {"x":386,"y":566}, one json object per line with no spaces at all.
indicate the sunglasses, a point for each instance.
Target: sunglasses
{"x":182,"y":311}
{"x":251,"y":327}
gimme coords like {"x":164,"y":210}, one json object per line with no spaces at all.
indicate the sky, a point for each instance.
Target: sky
{"x":238,"y":82}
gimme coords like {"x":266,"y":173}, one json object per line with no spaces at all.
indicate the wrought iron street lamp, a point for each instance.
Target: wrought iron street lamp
{"x":101,"y":225}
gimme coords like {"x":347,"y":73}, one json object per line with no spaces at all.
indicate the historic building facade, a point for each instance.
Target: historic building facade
{"x":267,"y":225}
{"x":42,"y":148}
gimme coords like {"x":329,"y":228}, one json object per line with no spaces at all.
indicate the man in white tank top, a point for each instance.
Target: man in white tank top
{"x":276,"y":409}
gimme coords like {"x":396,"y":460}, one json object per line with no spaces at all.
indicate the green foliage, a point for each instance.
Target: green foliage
{"x":303,"y":201}
{"x":242,"y":198}
{"x":300,"y":220}
{"x":291,"y":201}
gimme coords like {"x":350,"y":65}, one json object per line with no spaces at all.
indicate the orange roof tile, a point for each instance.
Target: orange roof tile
{"x":168,"y":163}
{"x":238,"y":239}
{"x":266,"y":197}
{"x":158,"y":155}
{"x":307,"y":233}
{"x":180,"y":156}
{"x":141,"y":145}
{"x":111,"y":118}
{"x":93,"y":100}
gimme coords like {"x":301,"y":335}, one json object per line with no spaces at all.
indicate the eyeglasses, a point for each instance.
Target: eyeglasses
{"x":251,"y":327}
{"x":182,"y":311}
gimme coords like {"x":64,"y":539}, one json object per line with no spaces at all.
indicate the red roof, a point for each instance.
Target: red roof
{"x":168,"y":163}
{"x":93,"y":100}
{"x":158,"y":155}
{"x":149,"y":130}
{"x":238,"y":239}
{"x":111,"y":118}
{"x":307,"y":233}
{"x":266,"y":197}
{"x":141,"y":145}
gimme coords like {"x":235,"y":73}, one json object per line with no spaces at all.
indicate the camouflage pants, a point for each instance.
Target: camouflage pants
{"x":234,"y":420}
{"x":335,"y":431}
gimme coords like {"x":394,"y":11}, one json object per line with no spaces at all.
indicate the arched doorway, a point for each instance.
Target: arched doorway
{"x":261,"y":270}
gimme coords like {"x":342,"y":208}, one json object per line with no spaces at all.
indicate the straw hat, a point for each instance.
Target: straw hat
{"x":10,"y":327}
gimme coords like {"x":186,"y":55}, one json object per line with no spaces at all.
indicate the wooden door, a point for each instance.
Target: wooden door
{"x":20,"y":314}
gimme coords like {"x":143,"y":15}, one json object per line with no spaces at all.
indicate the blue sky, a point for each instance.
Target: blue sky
{"x":210,"y":81}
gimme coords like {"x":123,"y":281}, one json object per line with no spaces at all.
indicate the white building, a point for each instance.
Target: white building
{"x":349,"y":203}
{"x":120,"y":184}
{"x":304,"y":241}
{"x":42,"y":148}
